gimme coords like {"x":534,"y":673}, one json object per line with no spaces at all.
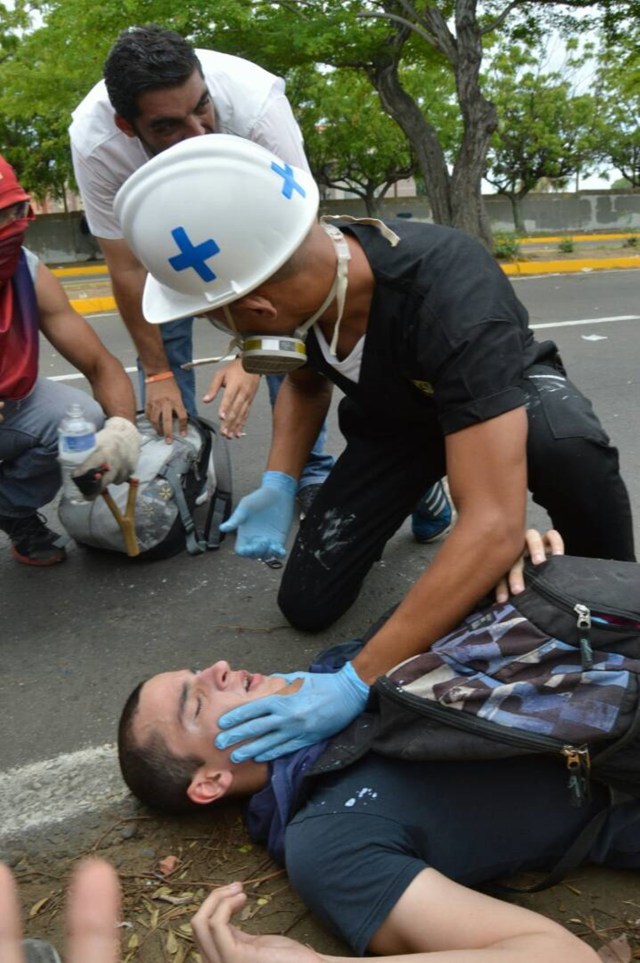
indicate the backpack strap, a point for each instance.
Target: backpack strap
{"x":221,"y":500}
{"x":194,"y":544}
{"x":573,"y":857}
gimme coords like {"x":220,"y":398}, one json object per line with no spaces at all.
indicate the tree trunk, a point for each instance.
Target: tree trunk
{"x":479,"y":118}
{"x":372,"y":203}
{"x":516,"y":210}
{"x":422,"y":136}
{"x":455,"y":199}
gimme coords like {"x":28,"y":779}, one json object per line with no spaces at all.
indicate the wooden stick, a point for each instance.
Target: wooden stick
{"x":126,"y":522}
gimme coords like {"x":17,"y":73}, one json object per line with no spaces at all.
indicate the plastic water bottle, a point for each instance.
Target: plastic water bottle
{"x":76,"y":441}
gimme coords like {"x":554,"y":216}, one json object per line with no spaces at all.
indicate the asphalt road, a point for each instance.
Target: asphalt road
{"x":75,"y":638}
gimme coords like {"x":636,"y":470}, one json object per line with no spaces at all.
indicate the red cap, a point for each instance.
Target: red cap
{"x":10,"y":190}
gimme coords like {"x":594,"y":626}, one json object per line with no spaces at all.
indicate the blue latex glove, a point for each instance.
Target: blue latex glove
{"x":325,"y":704}
{"x":263,"y":519}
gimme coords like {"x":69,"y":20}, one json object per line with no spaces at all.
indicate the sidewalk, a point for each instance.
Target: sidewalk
{"x":539,"y":256}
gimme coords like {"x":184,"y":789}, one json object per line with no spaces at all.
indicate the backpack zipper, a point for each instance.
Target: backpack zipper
{"x":584,"y":634}
{"x":584,"y":618}
{"x":577,"y":758}
{"x":540,"y":585}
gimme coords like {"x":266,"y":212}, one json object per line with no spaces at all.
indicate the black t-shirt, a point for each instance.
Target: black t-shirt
{"x":365,"y":833}
{"x":447,"y":340}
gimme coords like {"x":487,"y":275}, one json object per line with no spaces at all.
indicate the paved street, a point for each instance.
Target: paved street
{"x":75,"y":638}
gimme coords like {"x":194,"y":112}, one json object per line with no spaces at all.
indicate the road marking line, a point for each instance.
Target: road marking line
{"x":550,"y":324}
{"x":54,"y":790}
{"x":76,"y":376}
{"x":569,"y":324}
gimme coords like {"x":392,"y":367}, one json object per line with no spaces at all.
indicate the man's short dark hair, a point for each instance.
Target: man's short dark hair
{"x":146,"y":58}
{"x":152,"y":772}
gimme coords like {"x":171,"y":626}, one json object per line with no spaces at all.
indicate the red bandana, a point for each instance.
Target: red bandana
{"x":18,"y":313}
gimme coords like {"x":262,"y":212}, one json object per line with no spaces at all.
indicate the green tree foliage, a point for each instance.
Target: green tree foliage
{"x":48,"y":68}
{"x":621,"y":184}
{"x":619,"y":80}
{"x":546,"y":130}
{"x":39,"y":152}
{"x":350,"y":141}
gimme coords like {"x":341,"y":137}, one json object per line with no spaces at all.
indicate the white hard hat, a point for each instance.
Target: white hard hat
{"x":210,"y":219}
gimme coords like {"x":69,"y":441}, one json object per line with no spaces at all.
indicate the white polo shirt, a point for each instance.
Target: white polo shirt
{"x":248,"y":102}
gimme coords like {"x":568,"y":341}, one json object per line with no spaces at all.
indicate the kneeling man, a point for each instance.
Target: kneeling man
{"x":32,"y":302}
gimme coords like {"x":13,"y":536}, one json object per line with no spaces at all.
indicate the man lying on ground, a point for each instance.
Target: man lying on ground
{"x":381,"y":849}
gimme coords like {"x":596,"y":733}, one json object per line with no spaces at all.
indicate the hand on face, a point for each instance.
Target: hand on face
{"x":184,"y":706}
{"x":325,"y":703}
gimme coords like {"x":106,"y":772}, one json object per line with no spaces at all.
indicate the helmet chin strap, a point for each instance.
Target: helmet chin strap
{"x":338,"y":291}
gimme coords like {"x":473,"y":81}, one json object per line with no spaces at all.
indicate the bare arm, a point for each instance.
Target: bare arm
{"x":434,"y":921}
{"x":439,"y":920}
{"x":76,"y":341}
{"x":301,"y":407}
{"x":486,"y":467}
{"x":127,"y":278}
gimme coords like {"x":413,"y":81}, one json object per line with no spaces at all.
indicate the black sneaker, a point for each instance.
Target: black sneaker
{"x":32,"y":542}
{"x":306,"y":498}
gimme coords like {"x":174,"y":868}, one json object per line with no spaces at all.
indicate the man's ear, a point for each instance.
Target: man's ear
{"x":208,"y":785}
{"x":124,"y":125}
{"x":259,"y":305}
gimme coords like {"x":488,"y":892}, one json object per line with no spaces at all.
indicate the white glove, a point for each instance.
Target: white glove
{"x":118,"y":448}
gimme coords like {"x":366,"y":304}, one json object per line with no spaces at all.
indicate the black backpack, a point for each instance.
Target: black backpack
{"x":555,"y":670}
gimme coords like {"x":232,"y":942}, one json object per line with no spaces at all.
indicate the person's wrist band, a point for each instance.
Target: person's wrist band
{"x":163,"y":376}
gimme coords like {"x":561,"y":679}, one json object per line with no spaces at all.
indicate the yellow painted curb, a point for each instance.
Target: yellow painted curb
{"x":567,"y":267}
{"x":93,"y":305}
{"x":71,"y":272}
{"x":576,"y":238}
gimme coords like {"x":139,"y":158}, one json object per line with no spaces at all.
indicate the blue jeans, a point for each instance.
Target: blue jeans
{"x":29,"y":470}
{"x":319,"y":464}
{"x":178,"y":346}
